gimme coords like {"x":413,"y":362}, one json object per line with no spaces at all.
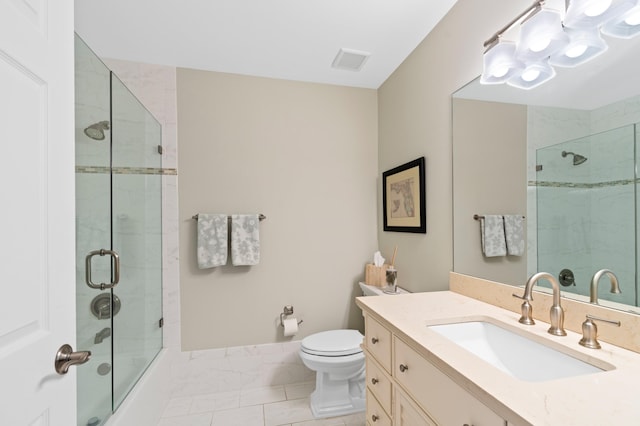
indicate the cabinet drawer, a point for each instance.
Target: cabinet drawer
{"x":379,"y":384}
{"x":442,"y":399}
{"x":376,"y":416}
{"x":378,"y":342}
{"x":407,"y":413}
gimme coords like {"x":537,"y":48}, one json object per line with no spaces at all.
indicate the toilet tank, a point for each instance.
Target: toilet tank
{"x":370,"y":290}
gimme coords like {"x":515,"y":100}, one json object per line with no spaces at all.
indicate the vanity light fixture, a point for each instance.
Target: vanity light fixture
{"x":533,"y":75}
{"x":548,"y":39}
{"x":626,"y":25}
{"x":584,"y":45}
{"x":500,"y":63}
{"x":499,"y":60}
{"x":541,"y":35}
{"x":594,"y":13}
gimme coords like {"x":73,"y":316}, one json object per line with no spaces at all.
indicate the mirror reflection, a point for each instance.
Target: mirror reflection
{"x":565,"y":156}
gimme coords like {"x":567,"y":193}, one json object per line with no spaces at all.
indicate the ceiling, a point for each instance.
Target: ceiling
{"x":286,"y":39}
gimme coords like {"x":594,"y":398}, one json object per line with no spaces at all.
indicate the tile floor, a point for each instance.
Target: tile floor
{"x":286,"y":405}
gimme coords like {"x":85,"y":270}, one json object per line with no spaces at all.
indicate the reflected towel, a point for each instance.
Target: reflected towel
{"x":245,"y":239}
{"x":492,"y":235}
{"x":213,"y":234}
{"x":514,"y":234}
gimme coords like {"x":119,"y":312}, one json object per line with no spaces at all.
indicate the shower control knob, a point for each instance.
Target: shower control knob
{"x":65,"y":358}
{"x":567,"y":278}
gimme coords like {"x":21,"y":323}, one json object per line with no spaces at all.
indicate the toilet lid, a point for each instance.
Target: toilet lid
{"x":333,"y":343}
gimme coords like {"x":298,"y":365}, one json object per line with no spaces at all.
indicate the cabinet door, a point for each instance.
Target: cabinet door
{"x":407,"y":413}
{"x":378,"y":342}
{"x":436,"y":393}
{"x":379,"y":384}
{"x":375,"y":414}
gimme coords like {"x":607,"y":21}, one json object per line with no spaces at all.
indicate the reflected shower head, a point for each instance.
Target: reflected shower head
{"x":96,"y":130}
{"x":577,"y":158}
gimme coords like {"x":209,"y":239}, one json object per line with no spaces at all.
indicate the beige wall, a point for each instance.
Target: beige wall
{"x":305,"y":155}
{"x":489,"y":177}
{"x":414,"y":119}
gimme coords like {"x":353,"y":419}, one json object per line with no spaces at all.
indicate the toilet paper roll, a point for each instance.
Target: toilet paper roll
{"x":290,"y":326}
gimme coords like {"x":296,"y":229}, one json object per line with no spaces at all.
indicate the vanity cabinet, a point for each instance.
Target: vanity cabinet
{"x":405,"y":389}
{"x":407,"y":413}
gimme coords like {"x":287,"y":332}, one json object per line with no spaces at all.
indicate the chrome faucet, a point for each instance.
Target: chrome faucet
{"x":101,"y":335}
{"x":615,"y":288}
{"x":556,"y":313}
{"x":590,"y":331}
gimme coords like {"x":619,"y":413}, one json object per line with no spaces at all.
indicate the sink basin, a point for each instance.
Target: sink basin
{"x":516,"y":355}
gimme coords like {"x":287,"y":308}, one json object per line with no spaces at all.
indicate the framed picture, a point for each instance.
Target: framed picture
{"x":403,"y":198}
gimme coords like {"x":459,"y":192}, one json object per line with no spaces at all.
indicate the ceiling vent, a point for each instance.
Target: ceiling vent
{"x":349,"y":59}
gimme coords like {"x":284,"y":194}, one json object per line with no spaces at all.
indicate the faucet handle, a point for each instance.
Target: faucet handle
{"x":526,"y":310}
{"x":523,"y":297}
{"x":590,"y":331}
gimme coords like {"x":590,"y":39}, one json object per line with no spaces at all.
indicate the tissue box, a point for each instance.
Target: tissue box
{"x":375,"y":275}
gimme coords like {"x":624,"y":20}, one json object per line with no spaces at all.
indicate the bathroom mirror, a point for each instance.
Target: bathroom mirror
{"x":563,"y":155}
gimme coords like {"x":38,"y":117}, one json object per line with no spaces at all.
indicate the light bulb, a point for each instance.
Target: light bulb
{"x":530,"y":75}
{"x":576,"y":51}
{"x":597,"y":8}
{"x":633,"y":19}
{"x":500,"y":71}
{"x":539,"y":44}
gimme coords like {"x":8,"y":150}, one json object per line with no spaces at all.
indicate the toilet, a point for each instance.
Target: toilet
{"x":337,"y":359}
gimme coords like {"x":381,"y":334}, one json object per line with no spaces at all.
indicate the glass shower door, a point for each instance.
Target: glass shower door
{"x":137,"y":237}
{"x":93,"y":231}
{"x":118,"y":209}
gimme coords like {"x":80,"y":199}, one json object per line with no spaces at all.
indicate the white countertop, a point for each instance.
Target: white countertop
{"x":606,"y":398}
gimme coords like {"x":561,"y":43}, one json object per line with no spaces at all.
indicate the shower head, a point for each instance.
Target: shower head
{"x":577,"y":158}
{"x":96,"y":130}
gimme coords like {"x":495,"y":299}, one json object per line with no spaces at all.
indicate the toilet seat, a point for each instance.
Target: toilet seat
{"x":333,"y":343}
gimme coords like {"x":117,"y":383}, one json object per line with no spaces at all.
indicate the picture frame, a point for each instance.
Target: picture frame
{"x":404,"y":204}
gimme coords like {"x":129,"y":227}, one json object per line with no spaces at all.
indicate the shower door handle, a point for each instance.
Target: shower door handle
{"x":66,"y":357}
{"x":116,"y":269}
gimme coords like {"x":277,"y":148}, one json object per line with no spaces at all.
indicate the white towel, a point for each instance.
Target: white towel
{"x":213,"y":234}
{"x":492,"y":235}
{"x":514,"y":234}
{"x":245,"y":239}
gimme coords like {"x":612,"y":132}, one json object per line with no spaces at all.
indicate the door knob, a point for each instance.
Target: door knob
{"x":65,"y":358}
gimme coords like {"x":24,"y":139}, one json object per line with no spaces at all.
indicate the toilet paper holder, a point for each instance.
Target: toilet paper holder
{"x":288,"y":310}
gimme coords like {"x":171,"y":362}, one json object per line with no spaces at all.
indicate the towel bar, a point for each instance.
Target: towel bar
{"x":478,"y":217}
{"x":260,"y":217}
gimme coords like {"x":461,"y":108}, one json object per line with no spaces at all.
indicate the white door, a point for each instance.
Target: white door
{"x":37,"y":231}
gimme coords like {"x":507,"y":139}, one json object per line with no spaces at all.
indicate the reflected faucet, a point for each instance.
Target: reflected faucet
{"x":556,"y":313}
{"x":615,"y":288}
{"x":101,"y":335}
